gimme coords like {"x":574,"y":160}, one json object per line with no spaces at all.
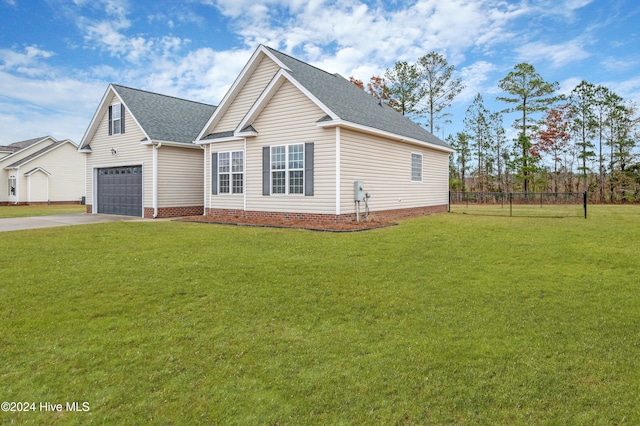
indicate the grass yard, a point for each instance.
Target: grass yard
{"x":44,"y":210}
{"x":448,"y":319}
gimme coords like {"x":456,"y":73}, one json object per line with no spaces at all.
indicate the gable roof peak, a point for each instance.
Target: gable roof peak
{"x":352,"y":104}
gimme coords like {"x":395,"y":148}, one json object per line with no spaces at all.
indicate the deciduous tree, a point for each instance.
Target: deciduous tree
{"x":554,"y":137}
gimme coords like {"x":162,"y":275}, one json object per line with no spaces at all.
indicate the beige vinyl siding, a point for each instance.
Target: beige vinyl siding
{"x":37,"y":187}
{"x":224,"y":201}
{"x":180,"y":177}
{"x":263,"y":74}
{"x":22,"y":190}
{"x":385,"y":167}
{"x":4,"y":185}
{"x":66,"y":183}
{"x":66,"y":166}
{"x":290,"y":118}
{"x":130,"y":152}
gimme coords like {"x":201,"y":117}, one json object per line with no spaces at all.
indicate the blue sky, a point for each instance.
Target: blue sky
{"x":57,"y":57}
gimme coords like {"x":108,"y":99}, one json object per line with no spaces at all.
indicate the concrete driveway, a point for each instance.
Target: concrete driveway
{"x":20,"y":223}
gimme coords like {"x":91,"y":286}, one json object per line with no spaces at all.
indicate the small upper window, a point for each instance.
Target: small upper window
{"x":416,"y":167}
{"x":116,"y":118}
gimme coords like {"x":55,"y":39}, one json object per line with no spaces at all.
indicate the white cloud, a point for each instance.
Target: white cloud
{"x":559,"y":55}
{"x":27,"y":63}
{"x":567,"y":85}
{"x":57,"y":106}
{"x":628,"y":89}
{"x":383,"y":32}
{"x":625,"y":64}
{"x":475,"y":78}
{"x":203,"y":75}
{"x":564,"y":9}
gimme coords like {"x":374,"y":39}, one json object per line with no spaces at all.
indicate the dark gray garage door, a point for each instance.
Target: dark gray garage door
{"x":120,"y":190}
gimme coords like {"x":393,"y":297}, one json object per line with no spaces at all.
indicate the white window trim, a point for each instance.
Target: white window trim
{"x":286,"y":170}
{"x":12,"y":180}
{"x":421,"y":167}
{"x":231,"y":173}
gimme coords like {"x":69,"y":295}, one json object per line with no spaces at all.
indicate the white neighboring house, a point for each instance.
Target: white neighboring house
{"x":41,"y":170}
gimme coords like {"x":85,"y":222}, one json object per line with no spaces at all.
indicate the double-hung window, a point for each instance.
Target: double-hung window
{"x":287,"y":169}
{"x":416,"y":167}
{"x":116,"y":119}
{"x":231,"y":172}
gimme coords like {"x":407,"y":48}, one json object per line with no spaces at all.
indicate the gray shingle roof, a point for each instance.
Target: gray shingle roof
{"x":17,"y":146}
{"x":353,"y":104}
{"x":35,"y":154}
{"x":165,"y":118}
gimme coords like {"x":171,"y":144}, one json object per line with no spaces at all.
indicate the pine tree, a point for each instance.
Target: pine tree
{"x":439,"y":85}
{"x":530,"y":94}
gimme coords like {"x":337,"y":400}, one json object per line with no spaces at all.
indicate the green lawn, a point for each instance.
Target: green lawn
{"x":447,"y":319}
{"x":44,"y":210}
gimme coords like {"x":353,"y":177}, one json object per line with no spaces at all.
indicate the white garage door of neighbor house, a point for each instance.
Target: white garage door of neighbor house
{"x":120,"y":190}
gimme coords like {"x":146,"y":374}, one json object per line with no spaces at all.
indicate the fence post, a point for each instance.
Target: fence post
{"x":585,"y":204}
{"x":449,"y":205}
{"x":510,"y":204}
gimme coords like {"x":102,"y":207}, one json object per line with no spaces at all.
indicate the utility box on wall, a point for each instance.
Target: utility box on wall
{"x":358,"y":190}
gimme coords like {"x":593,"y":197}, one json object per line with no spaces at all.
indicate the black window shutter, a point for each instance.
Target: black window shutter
{"x":266,"y":170}
{"x":110,"y":121}
{"x":214,"y":173}
{"x":121,"y":118}
{"x":308,"y":169}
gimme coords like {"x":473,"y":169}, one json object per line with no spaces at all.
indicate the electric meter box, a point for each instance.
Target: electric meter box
{"x":358,"y":190}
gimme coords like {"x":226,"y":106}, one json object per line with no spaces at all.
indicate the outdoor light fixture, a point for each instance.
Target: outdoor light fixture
{"x":114,"y":151}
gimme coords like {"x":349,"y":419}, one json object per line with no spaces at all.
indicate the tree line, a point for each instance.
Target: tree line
{"x":585,"y":141}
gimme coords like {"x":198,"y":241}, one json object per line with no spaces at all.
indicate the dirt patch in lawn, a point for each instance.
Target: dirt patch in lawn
{"x":298,"y":224}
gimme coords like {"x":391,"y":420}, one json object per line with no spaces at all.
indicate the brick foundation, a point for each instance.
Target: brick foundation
{"x":167,"y":211}
{"x":380,"y":216}
{"x":174,"y":211}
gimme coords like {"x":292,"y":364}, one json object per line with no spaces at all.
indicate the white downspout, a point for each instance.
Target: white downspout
{"x":155,"y":179}
{"x":244,"y":180}
{"x":204,"y":208}
{"x":338,"y":200}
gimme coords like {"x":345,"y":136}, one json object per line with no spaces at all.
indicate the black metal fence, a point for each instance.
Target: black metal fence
{"x":509,"y":199}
